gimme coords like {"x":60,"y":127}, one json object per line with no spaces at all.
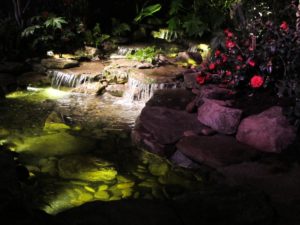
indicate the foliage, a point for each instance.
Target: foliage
{"x":147,"y":11}
{"x":119,"y":29}
{"x":95,"y":37}
{"x":197,"y":16}
{"x":46,"y":32}
{"x":259,"y":60}
{"x":147,"y":54}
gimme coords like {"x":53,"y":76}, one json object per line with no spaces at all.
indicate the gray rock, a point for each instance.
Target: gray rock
{"x":179,"y":159}
{"x":222,"y":119}
{"x":268,"y":131}
{"x":116,"y":89}
{"x":215,"y":150}
{"x":190,"y":80}
{"x":60,"y":63}
{"x":186,"y":56}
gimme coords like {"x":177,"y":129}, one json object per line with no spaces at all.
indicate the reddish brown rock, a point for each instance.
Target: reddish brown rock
{"x":215,"y":150}
{"x":268,"y":131}
{"x":171,"y":98}
{"x":223,"y":119}
{"x":168,"y":125}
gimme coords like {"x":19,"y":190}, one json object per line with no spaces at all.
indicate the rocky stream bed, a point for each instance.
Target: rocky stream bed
{"x":89,"y":150}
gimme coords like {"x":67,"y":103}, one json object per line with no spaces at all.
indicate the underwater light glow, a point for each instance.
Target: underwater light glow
{"x":54,"y":93}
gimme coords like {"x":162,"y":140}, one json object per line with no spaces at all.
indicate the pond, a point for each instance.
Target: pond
{"x":77,"y":149}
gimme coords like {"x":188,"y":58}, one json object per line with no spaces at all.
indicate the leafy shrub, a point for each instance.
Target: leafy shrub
{"x":147,"y":54}
{"x":196,"y":17}
{"x":46,"y":32}
{"x":259,"y":60}
{"x":119,"y":29}
{"x":95,"y":37}
{"x":147,"y":11}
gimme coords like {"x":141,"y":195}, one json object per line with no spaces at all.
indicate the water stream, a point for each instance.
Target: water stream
{"x":77,"y":149}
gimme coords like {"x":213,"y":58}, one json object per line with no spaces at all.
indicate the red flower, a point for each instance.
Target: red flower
{"x":200,"y":79}
{"x":251,"y":63}
{"x":217,"y":53}
{"x":256,"y":81}
{"x":230,"y":44}
{"x":239,"y":58}
{"x":228,"y":33}
{"x":228,"y":73}
{"x":284,"y":26}
{"x":212,"y":66}
{"x":238,"y":67}
{"x":224,"y":57}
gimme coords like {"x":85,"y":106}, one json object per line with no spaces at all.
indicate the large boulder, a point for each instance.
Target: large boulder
{"x":215,"y":151}
{"x":168,"y":125}
{"x":268,"y":131}
{"x":171,"y":98}
{"x":59,"y":63}
{"x":221,"y":118}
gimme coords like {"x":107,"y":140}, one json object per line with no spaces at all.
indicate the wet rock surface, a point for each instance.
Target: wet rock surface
{"x":59,"y":63}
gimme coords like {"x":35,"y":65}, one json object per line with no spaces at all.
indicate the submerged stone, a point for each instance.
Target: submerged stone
{"x":158,"y":169}
{"x":86,"y":168}
{"x":53,"y":144}
{"x":102,"y":195}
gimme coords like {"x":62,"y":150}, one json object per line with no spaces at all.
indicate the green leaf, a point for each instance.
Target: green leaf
{"x":55,"y":22}
{"x":148,"y":11}
{"x":174,"y":23}
{"x":30,"y":30}
{"x":176,"y":7}
{"x":194,"y":26}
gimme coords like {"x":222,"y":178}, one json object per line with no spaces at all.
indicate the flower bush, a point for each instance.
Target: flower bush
{"x":268,"y":55}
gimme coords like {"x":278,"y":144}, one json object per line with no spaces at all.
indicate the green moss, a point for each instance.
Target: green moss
{"x":50,"y":127}
{"x":37,"y":94}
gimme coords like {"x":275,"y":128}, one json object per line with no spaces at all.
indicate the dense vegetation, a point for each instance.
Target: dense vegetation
{"x":261,"y":38}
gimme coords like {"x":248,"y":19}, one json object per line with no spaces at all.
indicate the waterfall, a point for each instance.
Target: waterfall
{"x":59,"y":78}
{"x":140,"y":91}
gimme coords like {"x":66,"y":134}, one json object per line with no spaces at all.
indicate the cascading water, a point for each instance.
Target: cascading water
{"x":140,"y":91}
{"x":60,"y":78}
